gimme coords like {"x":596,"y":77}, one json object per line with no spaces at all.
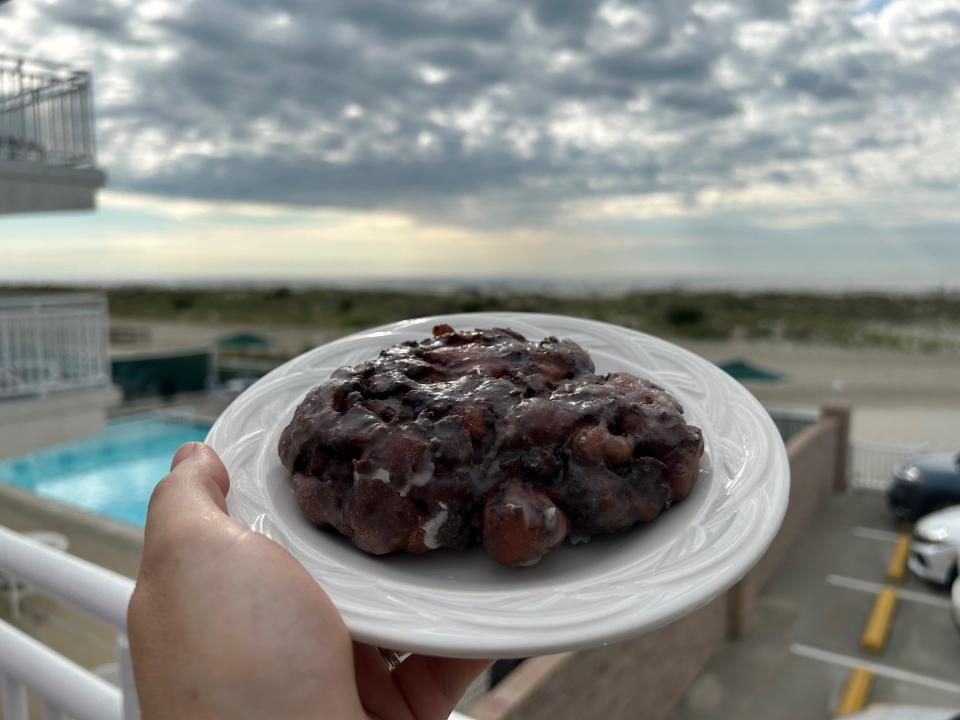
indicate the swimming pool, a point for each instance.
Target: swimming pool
{"x":111,"y":474}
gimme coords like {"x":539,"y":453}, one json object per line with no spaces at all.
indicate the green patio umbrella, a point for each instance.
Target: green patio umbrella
{"x":745,"y":371}
{"x":244,"y":341}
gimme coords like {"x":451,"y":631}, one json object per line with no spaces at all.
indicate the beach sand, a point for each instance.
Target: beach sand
{"x":897,"y":397}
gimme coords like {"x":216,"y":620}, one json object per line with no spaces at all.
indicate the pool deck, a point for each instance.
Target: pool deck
{"x":204,"y":407}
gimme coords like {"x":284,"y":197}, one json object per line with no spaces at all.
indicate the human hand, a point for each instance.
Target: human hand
{"x":225,"y":624}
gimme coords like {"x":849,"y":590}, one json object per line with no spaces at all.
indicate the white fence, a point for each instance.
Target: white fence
{"x":53,"y":342}
{"x":872,"y":463}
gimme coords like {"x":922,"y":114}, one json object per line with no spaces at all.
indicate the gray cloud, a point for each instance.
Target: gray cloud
{"x":398,"y":20}
{"x":497,"y":109}
{"x":708,"y":103}
{"x":565,"y":13}
{"x":778,"y":9}
{"x":99,"y":16}
{"x":819,"y":85}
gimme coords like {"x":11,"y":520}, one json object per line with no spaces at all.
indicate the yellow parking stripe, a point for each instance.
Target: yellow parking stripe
{"x":855,"y":693}
{"x":878,"y":624}
{"x":897,"y":567}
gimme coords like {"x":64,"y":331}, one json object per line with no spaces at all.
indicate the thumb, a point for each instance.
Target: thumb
{"x":194,"y":493}
{"x":195,"y":460}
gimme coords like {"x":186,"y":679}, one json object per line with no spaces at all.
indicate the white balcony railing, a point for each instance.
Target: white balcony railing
{"x":46,"y":114}
{"x":53,"y":343}
{"x":66,"y":689}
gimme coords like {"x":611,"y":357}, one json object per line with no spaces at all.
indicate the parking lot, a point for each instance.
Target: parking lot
{"x":804,"y":639}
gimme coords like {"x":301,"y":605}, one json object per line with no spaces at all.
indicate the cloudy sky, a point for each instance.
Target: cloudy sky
{"x":812,"y":142}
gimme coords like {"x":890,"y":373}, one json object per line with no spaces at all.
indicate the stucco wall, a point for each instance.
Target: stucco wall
{"x":812,"y":452}
{"x":31,"y":424}
{"x":27,"y":187}
{"x":643,"y":677}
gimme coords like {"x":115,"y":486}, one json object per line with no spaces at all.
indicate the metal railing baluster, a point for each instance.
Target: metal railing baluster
{"x":14,"y":699}
{"x":52,"y":712}
{"x":46,"y":114}
{"x":50,"y":343}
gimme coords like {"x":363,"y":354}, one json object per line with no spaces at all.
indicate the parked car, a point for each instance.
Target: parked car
{"x":905,"y":712}
{"x":935,"y":545}
{"x":924,"y":483}
{"x":955,"y":603}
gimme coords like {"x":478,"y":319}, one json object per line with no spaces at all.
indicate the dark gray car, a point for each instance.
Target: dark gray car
{"x":924,"y":483}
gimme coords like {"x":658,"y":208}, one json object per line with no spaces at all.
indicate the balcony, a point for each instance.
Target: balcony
{"x":54,"y":370}
{"x":47,"y":139}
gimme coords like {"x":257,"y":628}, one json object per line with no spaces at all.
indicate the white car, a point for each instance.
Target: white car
{"x":933,"y":551}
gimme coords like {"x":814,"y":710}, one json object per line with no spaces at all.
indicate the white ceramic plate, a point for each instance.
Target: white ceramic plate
{"x":461,"y":603}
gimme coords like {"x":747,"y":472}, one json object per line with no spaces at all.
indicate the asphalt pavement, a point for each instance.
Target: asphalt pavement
{"x":804,"y":638}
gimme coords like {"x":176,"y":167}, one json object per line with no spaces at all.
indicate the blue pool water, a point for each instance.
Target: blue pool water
{"x":111,"y":474}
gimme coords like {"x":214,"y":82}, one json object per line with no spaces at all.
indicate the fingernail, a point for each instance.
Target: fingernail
{"x":185,"y":451}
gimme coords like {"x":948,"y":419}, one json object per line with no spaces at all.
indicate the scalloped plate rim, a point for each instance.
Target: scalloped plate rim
{"x":762,"y":524}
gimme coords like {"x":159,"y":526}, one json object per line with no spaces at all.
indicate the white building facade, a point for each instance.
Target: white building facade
{"x":54,"y":362}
